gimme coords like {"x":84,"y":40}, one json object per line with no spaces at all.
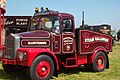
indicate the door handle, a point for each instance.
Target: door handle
{"x":56,"y":44}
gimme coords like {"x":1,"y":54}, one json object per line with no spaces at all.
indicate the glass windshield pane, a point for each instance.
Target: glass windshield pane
{"x":45,"y":23}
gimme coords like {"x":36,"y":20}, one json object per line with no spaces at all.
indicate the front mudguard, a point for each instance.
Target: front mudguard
{"x":32,"y":53}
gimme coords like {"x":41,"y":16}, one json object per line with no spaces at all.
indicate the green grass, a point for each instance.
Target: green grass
{"x":11,"y":76}
{"x":113,"y":73}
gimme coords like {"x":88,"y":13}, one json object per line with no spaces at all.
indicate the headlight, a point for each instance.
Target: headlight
{"x":1,"y":53}
{"x":21,"y":56}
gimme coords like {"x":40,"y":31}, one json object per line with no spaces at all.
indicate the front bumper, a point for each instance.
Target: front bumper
{"x":15,"y":61}
{"x":8,"y":61}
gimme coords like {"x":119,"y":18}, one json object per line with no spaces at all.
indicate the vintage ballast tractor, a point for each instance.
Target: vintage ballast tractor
{"x":52,"y":41}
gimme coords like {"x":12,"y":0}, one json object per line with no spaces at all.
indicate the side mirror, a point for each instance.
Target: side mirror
{"x":57,"y":29}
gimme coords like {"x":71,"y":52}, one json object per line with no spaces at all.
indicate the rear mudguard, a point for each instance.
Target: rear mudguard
{"x":90,"y":58}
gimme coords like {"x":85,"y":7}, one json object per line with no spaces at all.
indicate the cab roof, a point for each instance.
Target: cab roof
{"x":65,"y":15}
{"x":54,"y":13}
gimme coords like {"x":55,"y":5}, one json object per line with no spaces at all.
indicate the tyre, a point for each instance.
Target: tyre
{"x":9,"y":68}
{"x":99,"y":63}
{"x":42,"y":68}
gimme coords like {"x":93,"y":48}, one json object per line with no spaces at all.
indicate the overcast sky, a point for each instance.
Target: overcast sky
{"x":96,"y":11}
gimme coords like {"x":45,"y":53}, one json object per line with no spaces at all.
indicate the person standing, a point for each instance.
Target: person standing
{"x":118,"y":35}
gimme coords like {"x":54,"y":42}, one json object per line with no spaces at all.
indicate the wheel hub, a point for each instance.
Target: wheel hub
{"x":43,"y":69}
{"x":100,"y":62}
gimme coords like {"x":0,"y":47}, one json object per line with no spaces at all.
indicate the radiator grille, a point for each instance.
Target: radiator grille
{"x":12,"y":44}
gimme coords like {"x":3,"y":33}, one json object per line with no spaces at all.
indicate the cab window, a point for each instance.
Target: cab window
{"x":67,"y":25}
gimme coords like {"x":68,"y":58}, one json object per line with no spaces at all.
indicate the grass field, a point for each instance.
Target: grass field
{"x":80,"y":74}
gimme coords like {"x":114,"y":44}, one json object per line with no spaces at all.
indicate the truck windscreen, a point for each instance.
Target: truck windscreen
{"x":45,"y":23}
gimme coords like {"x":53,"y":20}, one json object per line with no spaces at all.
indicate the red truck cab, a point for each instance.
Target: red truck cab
{"x":51,"y":41}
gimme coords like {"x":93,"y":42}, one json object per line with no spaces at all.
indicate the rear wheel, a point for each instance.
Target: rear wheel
{"x":42,"y":68}
{"x":99,"y":63}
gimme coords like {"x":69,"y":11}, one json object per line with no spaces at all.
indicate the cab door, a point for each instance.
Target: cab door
{"x":56,"y":38}
{"x":68,"y":41}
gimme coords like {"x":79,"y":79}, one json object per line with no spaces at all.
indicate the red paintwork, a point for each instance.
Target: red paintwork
{"x":56,"y":39}
{"x":70,"y":62}
{"x":82,"y":59}
{"x":35,"y":34}
{"x":43,"y":69}
{"x":32,"y":53}
{"x":9,"y":61}
{"x":62,"y":15}
{"x":1,"y":59}
{"x":54,"y":13}
{"x":68,"y":39}
{"x":68,"y":43}
{"x":90,"y":41}
{"x":91,"y":57}
{"x":2,"y":11}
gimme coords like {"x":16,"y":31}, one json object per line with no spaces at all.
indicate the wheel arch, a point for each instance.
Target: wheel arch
{"x":53,"y":57}
{"x":32,"y":53}
{"x":91,"y":56}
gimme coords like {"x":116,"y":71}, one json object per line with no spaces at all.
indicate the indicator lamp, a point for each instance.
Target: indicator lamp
{"x":36,"y":9}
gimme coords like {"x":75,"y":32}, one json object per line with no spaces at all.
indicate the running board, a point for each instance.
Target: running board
{"x":69,"y":62}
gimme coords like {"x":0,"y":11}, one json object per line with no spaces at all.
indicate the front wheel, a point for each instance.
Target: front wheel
{"x":99,"y":63}
{"x":42,"y":68}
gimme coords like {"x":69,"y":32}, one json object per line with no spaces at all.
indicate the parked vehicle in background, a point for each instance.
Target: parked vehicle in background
{"x":114,"y":35}
{"x":104,"y":28}
{"x":16,"y":24}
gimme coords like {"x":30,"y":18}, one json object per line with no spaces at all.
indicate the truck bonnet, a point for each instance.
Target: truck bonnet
{"x":37,"y":38}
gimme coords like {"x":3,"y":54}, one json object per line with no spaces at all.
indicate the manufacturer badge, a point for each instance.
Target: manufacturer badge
{"x":68,"y":47}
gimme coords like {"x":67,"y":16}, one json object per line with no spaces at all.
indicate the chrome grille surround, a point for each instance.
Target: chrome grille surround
{"x":12,"y":44}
